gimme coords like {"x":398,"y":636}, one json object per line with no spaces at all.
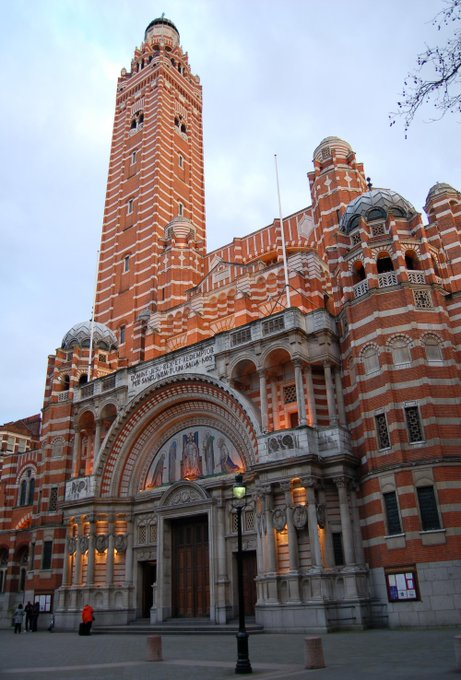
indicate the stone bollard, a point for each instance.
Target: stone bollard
{"x":154,"y":648}
{"x":313,"y":652}
{"x":458,"y":652}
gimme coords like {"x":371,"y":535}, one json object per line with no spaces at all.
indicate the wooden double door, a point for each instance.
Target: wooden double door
{"x":190,"y":567}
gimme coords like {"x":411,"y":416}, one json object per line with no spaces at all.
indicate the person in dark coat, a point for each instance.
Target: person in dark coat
{"x":35,"y":613}
{"x":28,"y":609}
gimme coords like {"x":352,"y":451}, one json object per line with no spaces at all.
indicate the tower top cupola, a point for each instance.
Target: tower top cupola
{"x":440,"y":188}
{"x":324,"y":150}
{"x":162,"y":28}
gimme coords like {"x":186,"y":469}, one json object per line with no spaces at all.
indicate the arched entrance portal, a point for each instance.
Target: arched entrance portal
{"x":175,"y":454}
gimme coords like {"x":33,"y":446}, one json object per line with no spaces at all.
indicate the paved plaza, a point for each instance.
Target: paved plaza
{"x":368,"y":655}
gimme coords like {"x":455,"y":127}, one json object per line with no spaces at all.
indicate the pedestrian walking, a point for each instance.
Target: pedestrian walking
{"x":87,"y":620}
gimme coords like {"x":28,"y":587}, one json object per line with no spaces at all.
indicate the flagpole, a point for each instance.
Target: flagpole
{"x":284,"y":250}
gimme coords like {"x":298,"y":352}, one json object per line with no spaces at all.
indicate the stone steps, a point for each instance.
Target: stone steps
{"x":178,"y":627}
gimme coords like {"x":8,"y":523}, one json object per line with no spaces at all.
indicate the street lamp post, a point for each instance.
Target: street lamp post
{"x":239,"y":502}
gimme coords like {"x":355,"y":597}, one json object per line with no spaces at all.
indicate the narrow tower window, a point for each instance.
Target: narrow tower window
{"x":392,"y":513}
{"x":415,"y":431}
{"x":382,"y":431}
{"x":430,"y":520}
{"x":47,"y":554}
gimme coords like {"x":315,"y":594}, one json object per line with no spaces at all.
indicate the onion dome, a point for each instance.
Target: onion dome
{"x":441,"y":188}
{"x":373,"y":205}
{"x":161,"y":27}
{"x":80,"y":335}
{"x":327,"y":145}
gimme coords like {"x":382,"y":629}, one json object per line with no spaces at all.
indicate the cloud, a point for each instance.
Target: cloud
{"x":276,"y":79}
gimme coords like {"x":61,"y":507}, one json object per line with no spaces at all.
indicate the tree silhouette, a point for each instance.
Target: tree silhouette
{"x":436,"y":78}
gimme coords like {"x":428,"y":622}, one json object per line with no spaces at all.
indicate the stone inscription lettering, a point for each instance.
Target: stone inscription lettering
{"x":198,"y":359}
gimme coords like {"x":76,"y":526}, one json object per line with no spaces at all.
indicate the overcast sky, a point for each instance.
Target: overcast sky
{"x":277,"y":78}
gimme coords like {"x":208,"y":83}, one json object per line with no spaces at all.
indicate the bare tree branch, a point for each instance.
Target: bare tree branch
{"x":437,"y":76}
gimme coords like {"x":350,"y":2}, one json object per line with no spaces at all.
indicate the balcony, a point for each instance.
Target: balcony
{"x":387,"y":279}
{"x":289,"y":320}
{"x":303,"y":441}
{"x":416,"y":277}
{"x":100,"y":386}
{"x":361,"y":288}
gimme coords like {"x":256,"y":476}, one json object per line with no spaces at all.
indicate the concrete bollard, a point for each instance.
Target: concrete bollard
{"x":313,"y":652}
{"x":458,"y":652}
{"x":154,"y":648}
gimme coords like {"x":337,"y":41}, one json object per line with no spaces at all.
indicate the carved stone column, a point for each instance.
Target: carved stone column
{"x":275,"y":400}
{"x":78,"y":555}
{"x":357,"y":534}
{"x":310,"y":483}
{"x":91,"y":548}
{"x":263,"y":399}
{"x":346,"y":525}
{"x":326,"y":547}
{"x":76,"y":453}
{"x":339,"y":397}
{"x":97,"y":437}
{"x":222,"y":578}
{"x":333,"y":416}
{"x":270,"y":561}
{"x":129,"y":554}
{"x":260,"y":520}
{"x":311,"y":397}
{"x":300,"y":391}
{"x":110,"y":553}
{"x":67,"y":547}
{"x":293,"y":582}
{"x":270,"y":549}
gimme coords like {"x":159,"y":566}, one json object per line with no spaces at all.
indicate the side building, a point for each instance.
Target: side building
{"x":337,"y":396}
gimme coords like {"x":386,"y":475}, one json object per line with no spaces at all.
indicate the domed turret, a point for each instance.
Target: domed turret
{"x":324,"y":150}
{"x":161,"y":28}
{"x":180,"y":228}
{"x":80,"y":335}
{"x":375,"y":204}
{"x":440,"y":188}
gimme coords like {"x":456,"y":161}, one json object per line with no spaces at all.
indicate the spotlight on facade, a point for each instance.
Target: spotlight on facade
{"x":239,"y":502}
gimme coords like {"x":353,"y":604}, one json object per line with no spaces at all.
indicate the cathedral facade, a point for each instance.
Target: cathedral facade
{"x":319,"y":357}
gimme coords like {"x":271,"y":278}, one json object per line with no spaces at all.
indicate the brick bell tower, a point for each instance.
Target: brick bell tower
{"x":153,"y":239}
